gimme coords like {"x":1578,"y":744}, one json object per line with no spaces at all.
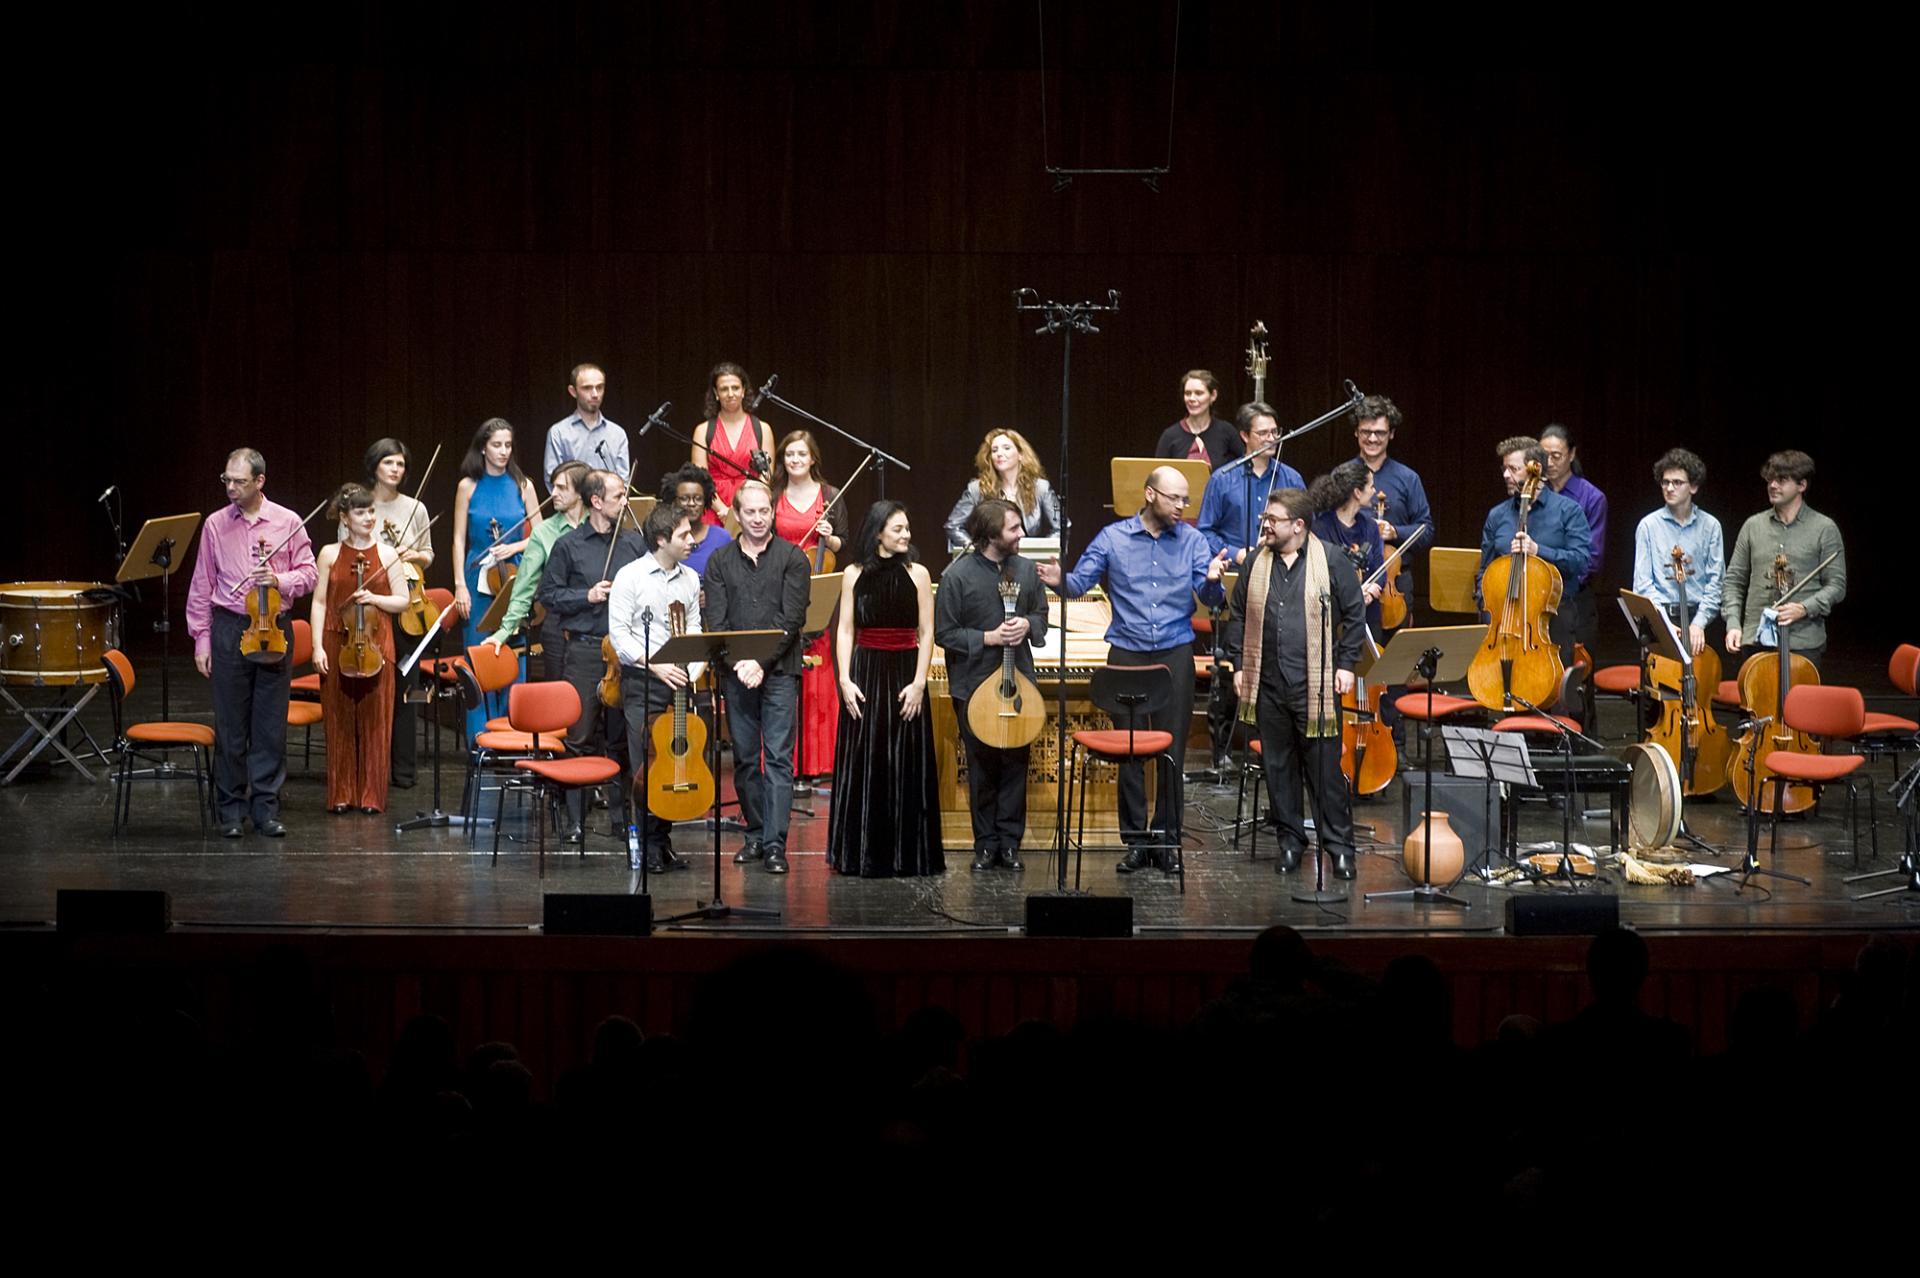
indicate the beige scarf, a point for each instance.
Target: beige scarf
{"x":1323,"y":704}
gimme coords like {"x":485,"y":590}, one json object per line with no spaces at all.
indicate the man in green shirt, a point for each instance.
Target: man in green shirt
{"x":568,"y":511}
{"x":1806,"y":537}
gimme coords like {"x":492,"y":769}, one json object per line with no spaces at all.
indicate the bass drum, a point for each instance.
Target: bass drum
{"x":1654,"y":819}
{"x":57,"y":632}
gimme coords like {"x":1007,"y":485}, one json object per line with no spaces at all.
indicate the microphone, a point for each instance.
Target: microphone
{"x":1354,"y":395}
{"x":655,"y":418}
{"x":763,"y":392}
{"x":111,"y":490}
{"x":601,"y":448}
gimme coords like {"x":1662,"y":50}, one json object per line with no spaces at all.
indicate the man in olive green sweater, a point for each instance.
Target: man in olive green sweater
{"x":1806,"y":537}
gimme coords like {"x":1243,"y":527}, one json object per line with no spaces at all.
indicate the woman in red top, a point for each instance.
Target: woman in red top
{"x":359,"y":711}
{"x":733,"y":435}
{"x":800,"y":516}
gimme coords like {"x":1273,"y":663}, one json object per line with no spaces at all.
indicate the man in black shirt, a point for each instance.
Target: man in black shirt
{"x":760,"y":582}
{"x":578,"y":578}
{"x":972,"y":624}
{"x":1298,"y":620}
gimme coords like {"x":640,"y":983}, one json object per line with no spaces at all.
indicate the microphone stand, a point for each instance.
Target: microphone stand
{"x":1064,"y":319}
{"x":879,"y":456}
{"x":1320,"y":896}
{"x":639,"y":792}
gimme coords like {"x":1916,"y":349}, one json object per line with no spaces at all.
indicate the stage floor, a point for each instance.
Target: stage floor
{"x":356,"y":873}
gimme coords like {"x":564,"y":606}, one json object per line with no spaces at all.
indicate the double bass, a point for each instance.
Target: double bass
{"x":1764,"y":680}
{"x":679,"y":783}
{"x":1518,"y":658}
{"x":1687,"y":731}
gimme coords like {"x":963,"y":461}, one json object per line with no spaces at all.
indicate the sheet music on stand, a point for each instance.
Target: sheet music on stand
{"x":1478,"y":753}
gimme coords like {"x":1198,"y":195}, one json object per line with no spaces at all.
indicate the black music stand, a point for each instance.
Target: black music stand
{"x":1438,"y":654}
{"x":436,"y":819}
{"x":822,"y":598}
{"x":1491,"y":756}
{"x":154,"y":555}
{"x":717,"y":648}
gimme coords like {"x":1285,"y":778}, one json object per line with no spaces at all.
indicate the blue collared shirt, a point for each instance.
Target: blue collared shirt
{"x":604,"y":447}
{"x":1557,"y":525}
{"x":1150,"y":581}
{"x":1701,"y":540}
{"x":1224,"y":517}
{"x":1407,"y":507}
{"x":1593,"y":504}
{"x":1365,"y":533}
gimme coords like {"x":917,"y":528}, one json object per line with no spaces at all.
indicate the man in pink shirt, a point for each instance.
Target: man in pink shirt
{"x":250,"y":542}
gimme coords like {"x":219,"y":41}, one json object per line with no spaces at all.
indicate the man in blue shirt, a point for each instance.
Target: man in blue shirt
{"x":585,"y":435}
{"x":1582,"y":616}
{"x":1556,"y":529}
{"x":1680,"y":523}
{"x":1407,"y":513}
{"x":1152,"y":564}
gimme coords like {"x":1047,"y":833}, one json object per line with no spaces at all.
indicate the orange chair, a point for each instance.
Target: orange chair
{"x":1835,"y":714}
{"x":495,"y":750}
{"x":1130,"y":693}
{"x":149,"y":743}
{"x":1254,"y":768}
{"x":303,"y":704}
{"x":1890,"y":733}
{"x":549,"y":709}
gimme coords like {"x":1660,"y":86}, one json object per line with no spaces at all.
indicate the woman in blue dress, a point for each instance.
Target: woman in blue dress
{"x":493,"y":513}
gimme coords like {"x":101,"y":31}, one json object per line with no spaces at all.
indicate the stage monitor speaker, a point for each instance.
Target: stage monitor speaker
{"x":1558,"y":914}
{"x":1104,"y":916}
{"x":1474,"y":816}
{"x":597,"y":914}
{"x":104,"y":911}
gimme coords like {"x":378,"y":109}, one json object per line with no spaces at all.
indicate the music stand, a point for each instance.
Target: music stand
{"x":1130,"y":477}
{"x":1656,"y":634}
{"x":1491,"y":756}
{"x":153,"y":555}
{"x":717,"y":648}
{"x":823,"y":595}
{"x":497,"y":611}
{"x":1439,"y":654}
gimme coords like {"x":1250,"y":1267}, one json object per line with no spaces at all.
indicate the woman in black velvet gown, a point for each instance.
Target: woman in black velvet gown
{"x":886,"y":810}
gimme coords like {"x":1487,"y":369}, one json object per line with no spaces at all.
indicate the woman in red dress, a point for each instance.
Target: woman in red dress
{"x":359,"y":709}
{"x":733,"y":435}
{"x":800,"y":515}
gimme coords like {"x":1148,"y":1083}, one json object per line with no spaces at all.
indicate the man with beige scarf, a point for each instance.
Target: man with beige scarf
{"x":1294,"y":641}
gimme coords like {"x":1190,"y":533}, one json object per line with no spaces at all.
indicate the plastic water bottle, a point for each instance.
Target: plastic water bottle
{"x":633,"y":846}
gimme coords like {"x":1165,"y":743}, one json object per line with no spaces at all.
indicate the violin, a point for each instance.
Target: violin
{"x":1518,"y":657}
{"x":420,"y":614}
{"x":1687,"y":731}
{"x":823,"y":559}
{"x":1393,"y":601}
{"x":1764,"y":680}
{"x":679,"y":783}
{"x":360,"y":656}
{"x":264,"y":642}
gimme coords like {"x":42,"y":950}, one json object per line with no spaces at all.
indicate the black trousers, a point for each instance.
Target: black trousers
{"x":249,"y":723}
{"x":1177,"y":718}
{"x":404,"y":751}
{"x":600,"y":729}
{"x":996,"y":788}
{"x":1578,"y":621}
{"x":1287,"y":751}
{"x":643,"y":698}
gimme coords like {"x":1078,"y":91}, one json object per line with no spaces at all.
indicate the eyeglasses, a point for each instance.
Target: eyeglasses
{"x":1373,"y":434}
{"x":1675,"y":483}
{"x":230,"y":481}
{"x":1179,"y":502}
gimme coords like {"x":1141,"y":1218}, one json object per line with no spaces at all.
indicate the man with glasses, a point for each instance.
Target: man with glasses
{"x":1406,"y":512}
{"x":1816,"y":560}
{"x":250,"y":542}
{"x":1680,"y":523}
{"x":1152,"y":565}
{"x":690,"y":489}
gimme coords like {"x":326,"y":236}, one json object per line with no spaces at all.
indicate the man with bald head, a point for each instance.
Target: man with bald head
{"x":1152,"y":565}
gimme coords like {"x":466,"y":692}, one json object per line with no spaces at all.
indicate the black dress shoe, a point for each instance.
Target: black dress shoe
{"x":983,"y":858}
{"x":749,"y":852}
{"x":272,"y":828}
{"x":776,"y":860}
{"x":1170,"y":860}
{"x":231,"y":829}
{"x":671,"y":862}
{"x":1289,"y":861}
{"x":1137,"y":858}
{"x":1010,"y":857}
{"x":1343,"y":867}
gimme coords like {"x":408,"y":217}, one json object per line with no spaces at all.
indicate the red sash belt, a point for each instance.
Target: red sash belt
{"x":888,"y":638}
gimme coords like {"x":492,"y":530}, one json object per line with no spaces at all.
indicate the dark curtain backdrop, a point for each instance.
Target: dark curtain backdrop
{"x":305,"y":227}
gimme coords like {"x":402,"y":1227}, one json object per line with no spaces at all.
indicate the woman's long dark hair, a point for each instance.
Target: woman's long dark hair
{"x":720,"y":370}
{"x":474,"y":464}
{"x":379,"y":451}
{"x":866,"y":547}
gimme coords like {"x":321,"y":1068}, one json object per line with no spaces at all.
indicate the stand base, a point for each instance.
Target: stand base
{"x":1324,"y":897}
{"x":710,"y":910}
{"x":438,"y":820}
{"x":1428,"y":895}
{"x":1909,"y":866}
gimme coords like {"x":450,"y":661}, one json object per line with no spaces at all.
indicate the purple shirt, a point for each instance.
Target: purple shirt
{"x":1593,"y":504}
{"x":229,"y":548}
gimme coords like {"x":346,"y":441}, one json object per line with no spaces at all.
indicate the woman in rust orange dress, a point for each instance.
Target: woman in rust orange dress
{"x":359,"y":709}
{"x":800,"y":516}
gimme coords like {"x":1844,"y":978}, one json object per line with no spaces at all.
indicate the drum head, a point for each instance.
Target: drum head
{"x":1655,"y":821}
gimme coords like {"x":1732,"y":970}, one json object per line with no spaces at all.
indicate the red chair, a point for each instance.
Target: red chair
{"x":1836,"y":714}
{"x":1253,"y":767}
{"x":1132,"y":694}
{"x":150,"y":742}
{"x":549,"y":710}
{"x":1890,"y":733}
{"x":303,"y":705}
{"x":1618,"y":681}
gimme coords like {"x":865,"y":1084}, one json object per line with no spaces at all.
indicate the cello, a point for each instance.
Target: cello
{"x":1393,"y":601}
{"x":679,"y":783}
{"x":1368,"y":757}
{"x":1518,"y":658}
{"x":1764,"y":679}
{"x":1693,"y":739}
